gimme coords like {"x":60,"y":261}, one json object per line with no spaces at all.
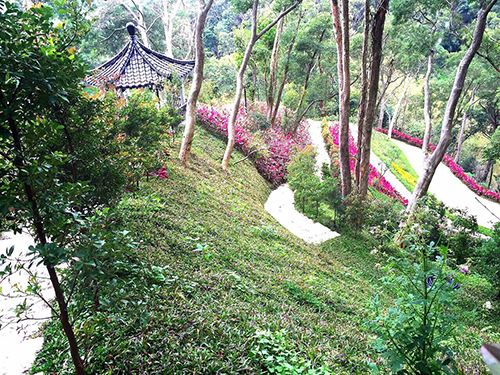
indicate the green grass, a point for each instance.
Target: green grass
{"x":221,"y":269}
{"x":395,"y":160}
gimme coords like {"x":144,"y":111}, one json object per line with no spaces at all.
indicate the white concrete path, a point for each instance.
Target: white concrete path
{"x":446,"y":187}
{"x":280,"y":202}
{"x":18,"y":347}
{"x":280,"y":206}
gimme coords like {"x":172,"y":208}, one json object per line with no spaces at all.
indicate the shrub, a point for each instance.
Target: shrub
{"x":413,"y":335}
{"x":488,"y":258}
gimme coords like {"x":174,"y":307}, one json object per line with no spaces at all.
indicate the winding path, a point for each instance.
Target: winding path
{"x":280,"y":202}
{"x":18,"y":346}
{"x":446,"y":187}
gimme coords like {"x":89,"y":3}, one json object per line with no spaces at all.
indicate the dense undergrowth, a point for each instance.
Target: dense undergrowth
{"x":215,"y":285}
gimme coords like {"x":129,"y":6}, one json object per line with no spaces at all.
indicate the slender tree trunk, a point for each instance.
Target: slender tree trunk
{"x":139,"y":20}
{"x":239,"y":77}
{"x":341,"y":29}
{"x":167,"y":18}
{"x":381,"y":113}
{"x":42,"y":239}
{"x":285,"y":71}
{"x":371,"y":103}
{"x":396,"y":110}
{"x":427,"y":108}
{"x":273,"y":67}
{"x":364,"y":90}
{"x":433,"y":161}
{"x":187,"y":138}
{"x":464,"y":125}
{"x":487,"y":170}
{"x":310,"y":67}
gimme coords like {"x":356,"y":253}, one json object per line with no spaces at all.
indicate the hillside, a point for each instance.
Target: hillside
{"x":218,"y":270}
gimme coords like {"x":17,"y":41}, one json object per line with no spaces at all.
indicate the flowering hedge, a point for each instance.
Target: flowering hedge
{"x":456,"y":169}
{"x":280,"y":144}
{"x":374,"y":178}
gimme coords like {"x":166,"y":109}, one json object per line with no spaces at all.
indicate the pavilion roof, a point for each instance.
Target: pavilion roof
{"x":137,"y":66}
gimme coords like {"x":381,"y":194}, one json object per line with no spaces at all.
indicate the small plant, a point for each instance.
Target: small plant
{"x":276,"y":356}
{"x":413,"y":335}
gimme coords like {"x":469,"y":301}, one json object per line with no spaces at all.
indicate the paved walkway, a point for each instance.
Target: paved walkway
{"x":280,"y":202}
{"x":18,"y":347}
{"x":446,"y":187}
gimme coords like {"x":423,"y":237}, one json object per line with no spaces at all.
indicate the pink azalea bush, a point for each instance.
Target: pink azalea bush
{"x":456,"y":169}
{"x":374,"y":178}
{"x":281,"y":144}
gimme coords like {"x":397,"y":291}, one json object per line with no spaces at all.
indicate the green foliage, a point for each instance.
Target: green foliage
{"x":414,"y":334}
{"x":317,"y":198}
{"x":277,"y":356}
{"x":142,"y":134}
{"x":432,"y":219}
{"x":488,"y":257}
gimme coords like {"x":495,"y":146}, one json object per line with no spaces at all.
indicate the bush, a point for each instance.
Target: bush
{"x":488,"y":258}
{"x":413,"y":335}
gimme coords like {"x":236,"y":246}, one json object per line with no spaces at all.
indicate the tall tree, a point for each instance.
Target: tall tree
{"x":187,"y":139}
{"x":364,"y":89}
{"x":285,"y":71}
{"x":273,"y":67}
{"x":255,"y":36}
{"x":341,"y":30}
{"x":377,"y":32}
{"x":432,"y":162}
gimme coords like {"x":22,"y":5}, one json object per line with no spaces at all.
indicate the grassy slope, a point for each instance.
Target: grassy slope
{"x":230,"y":270}
{"x":251,"y":274}
{"x":391,"y":155}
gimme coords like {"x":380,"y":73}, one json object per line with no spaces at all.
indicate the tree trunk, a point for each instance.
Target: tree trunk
{"x":396,"y":110}
{"x":273,"y":67}
{"x":285,"y":72}
{"x":377,"y":32}
{"x":42,"y":239}
{"x":239,"y":77}
{"x":167,"y":18}
{"x":364,"y":90}
{"x":310,"y":67}
{"x":486,"y":172}
{"x":341,"y":29}
{"x":187,"y":138}
{"x":464,"y":124}
{"x":381,"y":113}
{"x":433,"y":161}
{"x":427,"y":108}
{"x":139,"y":20}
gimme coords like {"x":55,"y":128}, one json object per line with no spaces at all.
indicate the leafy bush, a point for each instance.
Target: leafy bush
{"x":488,"y":258}
{"x":414,"y":334}
{"x":141,"y":133}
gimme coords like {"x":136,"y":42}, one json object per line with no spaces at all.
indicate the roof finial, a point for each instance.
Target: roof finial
{"x":131,"y":29}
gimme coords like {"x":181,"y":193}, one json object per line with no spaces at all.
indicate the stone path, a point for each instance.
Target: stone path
{"x":280,"y":202}
{"x":18,"y":346}
{"x":446,"y":187}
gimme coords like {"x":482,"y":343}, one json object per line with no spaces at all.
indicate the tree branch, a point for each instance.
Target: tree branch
{"x":281,"y":15}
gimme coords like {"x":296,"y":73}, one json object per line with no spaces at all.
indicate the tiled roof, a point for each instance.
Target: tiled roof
{"x":138,"y":66}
